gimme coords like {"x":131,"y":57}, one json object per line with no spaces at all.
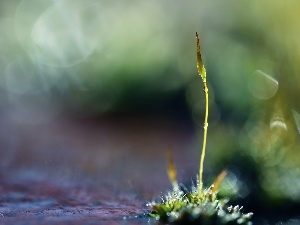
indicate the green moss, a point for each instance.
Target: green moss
{"x":198,"y":206}
{"x":178,"y":207}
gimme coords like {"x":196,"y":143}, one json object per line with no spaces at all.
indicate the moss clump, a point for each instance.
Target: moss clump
{"x":198,"y":206}
{"x":179,"y":207}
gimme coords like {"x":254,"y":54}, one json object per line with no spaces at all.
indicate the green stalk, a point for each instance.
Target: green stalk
{"x":204,"y":138}
{"x":202,"y":73}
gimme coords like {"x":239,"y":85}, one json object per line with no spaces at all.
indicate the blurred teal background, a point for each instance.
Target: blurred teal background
{"x":93,"y":58}
{"x":105,"y":57}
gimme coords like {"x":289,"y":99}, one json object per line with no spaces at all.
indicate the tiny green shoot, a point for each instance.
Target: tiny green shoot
{"x":198,"y":205}
{"x":202,"y":73}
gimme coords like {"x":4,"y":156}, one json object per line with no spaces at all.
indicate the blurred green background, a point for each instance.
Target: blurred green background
{"x":93,"y":57}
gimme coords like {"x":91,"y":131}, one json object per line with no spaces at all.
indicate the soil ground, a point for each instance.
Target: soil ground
{"x":89,"y":171}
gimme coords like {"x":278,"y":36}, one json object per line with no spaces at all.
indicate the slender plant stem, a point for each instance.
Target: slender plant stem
{"x":204,"y":138}
{"x":202,"y":73}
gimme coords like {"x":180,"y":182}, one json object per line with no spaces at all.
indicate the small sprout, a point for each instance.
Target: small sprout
{"x":217,"y":182}
{"x":202,"y":73}
{"x":198,"y":205}
{"x":172,"y":170}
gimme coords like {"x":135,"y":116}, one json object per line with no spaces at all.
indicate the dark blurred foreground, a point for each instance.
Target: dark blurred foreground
{"x":99,"y":170}
{"x":91,"y":171}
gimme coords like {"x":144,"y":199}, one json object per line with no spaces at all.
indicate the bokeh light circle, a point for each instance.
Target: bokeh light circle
{"x":262,"y":85}
{"x":58,"y":33}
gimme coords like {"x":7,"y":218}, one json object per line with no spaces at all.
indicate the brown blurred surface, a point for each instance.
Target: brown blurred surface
{"x":88,"y":171}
